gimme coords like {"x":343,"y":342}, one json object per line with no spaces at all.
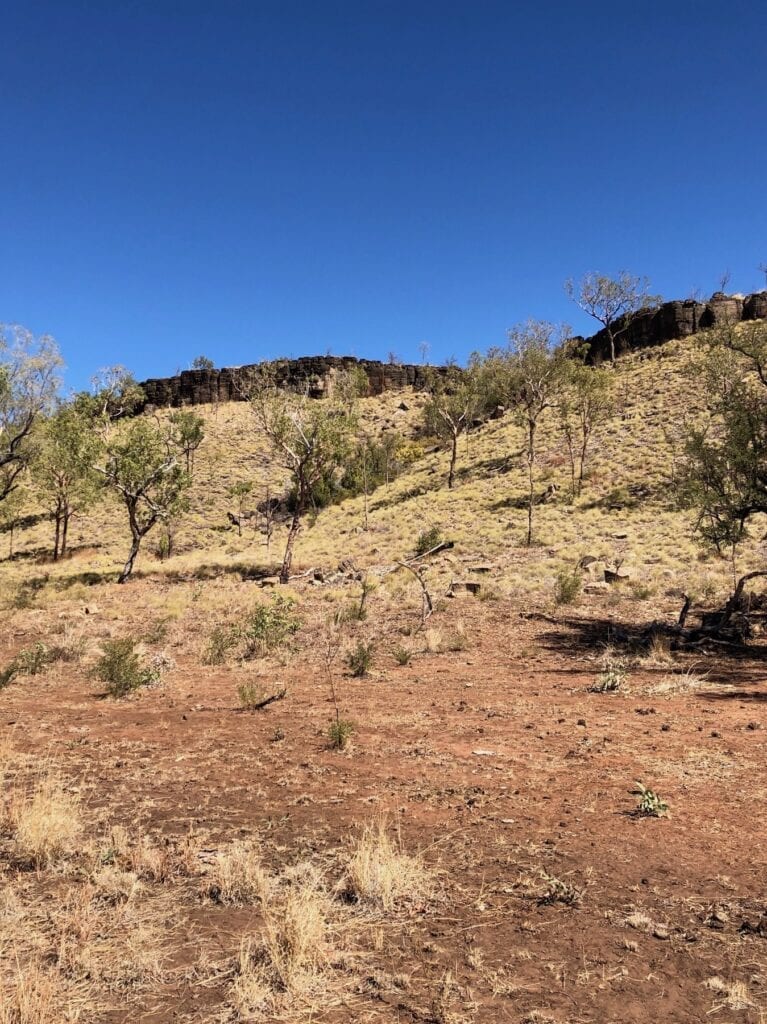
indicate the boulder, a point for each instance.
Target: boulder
{"x":464,"y":586}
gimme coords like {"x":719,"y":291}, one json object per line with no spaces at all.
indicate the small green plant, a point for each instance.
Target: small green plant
{"x":428,"y":539}
{"x":222,"y":641}
{"x":268,"y":626}
{"x":35,"y":659}
{"x":403,"y":655}
{"x":650,"y":804}
{"x":360,"y":659}
{"x":567,"y":586}
{"x":340,"y":732}
{"x":121,"y":668}
{"x":611,"y":678}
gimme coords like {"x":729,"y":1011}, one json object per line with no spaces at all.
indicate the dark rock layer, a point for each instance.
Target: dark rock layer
{"x":669,"y":321}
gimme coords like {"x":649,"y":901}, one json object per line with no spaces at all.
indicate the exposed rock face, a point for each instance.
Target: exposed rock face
{"x":679,"y":320}
{"x":195,"y":387}
{"x":654,"y":327}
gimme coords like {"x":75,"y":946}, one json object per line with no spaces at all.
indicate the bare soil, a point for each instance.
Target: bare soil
{"x":498,"y":764}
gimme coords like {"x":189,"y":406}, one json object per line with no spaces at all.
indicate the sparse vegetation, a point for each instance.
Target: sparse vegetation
{"x":650,"y":804}
{"x":360,"y":659}
{"x":121,"y":668}
{"x":567,"y":586}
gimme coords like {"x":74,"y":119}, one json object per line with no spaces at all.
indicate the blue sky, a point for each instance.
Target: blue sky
{"x":254,"y":179}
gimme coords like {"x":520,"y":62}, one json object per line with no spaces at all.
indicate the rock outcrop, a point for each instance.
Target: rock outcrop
{"x":674,"y":320}
{"x":196,"y":387}
{"x":647,"y":329}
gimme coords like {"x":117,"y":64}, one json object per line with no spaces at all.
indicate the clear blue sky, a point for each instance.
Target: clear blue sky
{"x":254,"y":179}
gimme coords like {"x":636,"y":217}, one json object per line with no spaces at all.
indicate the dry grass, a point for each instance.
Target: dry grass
{"x":286,"y":966}
{"x":45,"y":822}
{"x":381,"y":875}
{"x":237,"y":876}
{"x":733,"y":995}
{"x":680,"y":682}
{"x":36,"y":996}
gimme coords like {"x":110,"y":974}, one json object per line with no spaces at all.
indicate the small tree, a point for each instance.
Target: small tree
{"x":189,"y":433}
{"x":527,"y":376}
{"x":587,"y":401}
{"x":142,"y":467}
{"x":202,"y":363}
{"x":11,"y":512}
{"x":29,"y":380}
{"x":311,"y":439}
{"x":239,"y":492}
{"x":613,"y":301}
{"x":114,"y":394}
{"x":725,"y":473}
{"x":454,"y":401}
{"x":62,"y":468}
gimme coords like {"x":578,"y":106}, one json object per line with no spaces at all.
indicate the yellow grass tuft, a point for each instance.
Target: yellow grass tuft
{"x":45,"y":822}
{"x":380,"y":874}
{"x":238,"y":877}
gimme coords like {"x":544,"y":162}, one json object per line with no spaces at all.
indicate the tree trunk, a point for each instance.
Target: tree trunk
{"x":128,"y":567}
{"x":531,"y":495}
{"x":57,"y":536}
{"x":611,"y":336}
{"x":67,"y":515}
{"x":584,"y":447}
{"x":453,"y":457}
{"x":295,"y":526}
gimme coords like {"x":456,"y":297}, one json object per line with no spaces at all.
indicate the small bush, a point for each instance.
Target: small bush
{"x":611,"y":678}
{"x":262,"y":630}
{"x":120,"y":667}
{"x":567,"y":586}
{"x":237,"y":877}
{"x":360,"y":659}
{"x":428,"y":539}
{"x":35,"y":659}
{"x":222,"y":641}
{"x":340,"y":732}
{"x":403,"y":655}
{"x":45,"y":822}
{"x":268,"y":626}
{"x":381,"y":874}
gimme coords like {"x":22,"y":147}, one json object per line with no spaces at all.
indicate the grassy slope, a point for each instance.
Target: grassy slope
{"x":633,"y":453}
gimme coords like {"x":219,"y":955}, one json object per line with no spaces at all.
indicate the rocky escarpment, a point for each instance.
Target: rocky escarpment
{"x":680,"y":319}
{"x":315,"y":373}
{"x":649,"y":328}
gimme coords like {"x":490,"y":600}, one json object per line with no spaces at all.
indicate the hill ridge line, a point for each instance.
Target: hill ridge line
{"x":668,"y":322}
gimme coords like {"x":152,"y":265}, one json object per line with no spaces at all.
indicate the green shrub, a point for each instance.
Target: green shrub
{"x":403,"y":655}
{"x":222,"y":640}
{"x":360,"y":659}
{"x":340,"y":732}
{"x":428,"y":539}
{"x":567,"y":586}
{"x":120,"y":667}
{"x":269,"y":625}
{"x":35,"y":659}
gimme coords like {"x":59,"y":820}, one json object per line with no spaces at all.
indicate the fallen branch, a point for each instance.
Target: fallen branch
{"x":258,"y":705}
